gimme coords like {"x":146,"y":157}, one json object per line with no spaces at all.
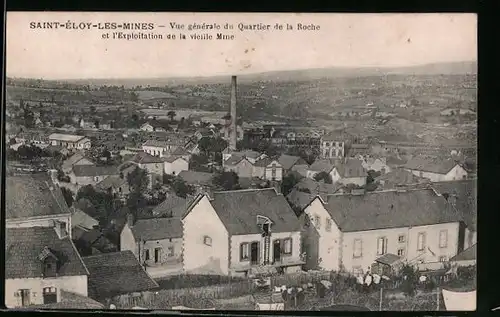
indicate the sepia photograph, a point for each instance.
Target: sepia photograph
{"x":240,"y":161}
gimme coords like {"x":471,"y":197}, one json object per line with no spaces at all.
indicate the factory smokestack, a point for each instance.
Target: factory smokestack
{"x":233,"y":127}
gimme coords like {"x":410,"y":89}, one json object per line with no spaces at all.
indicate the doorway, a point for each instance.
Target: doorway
{"x":157,"y":255}
{"x":276,"y":251}
{"x":254,"y":253}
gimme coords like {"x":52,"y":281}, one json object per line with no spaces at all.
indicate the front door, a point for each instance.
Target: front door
{"x":254,"y":253}
{"x":157,"y":255}
{"x":276,"y":251}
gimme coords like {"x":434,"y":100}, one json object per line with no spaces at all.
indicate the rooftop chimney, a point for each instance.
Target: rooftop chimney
{"x":232,"y":128}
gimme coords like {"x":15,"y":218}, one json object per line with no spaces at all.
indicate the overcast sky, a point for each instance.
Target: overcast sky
{"x":344,"y":40}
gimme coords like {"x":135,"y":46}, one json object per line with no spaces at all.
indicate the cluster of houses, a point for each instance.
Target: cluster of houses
{"x":233,"y":232}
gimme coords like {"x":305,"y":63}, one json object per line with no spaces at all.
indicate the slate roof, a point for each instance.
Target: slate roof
{"x":70,"y":300}
{"x":80,"y":218}
{"x":390,"y":209}
{"x":145,"y":158}
{"x":465,"y":192}
{"x":394,"y":161}
{"x":266,"y":162}
{"x":163,"y":143}
{"x":180,"y":151}
{"x":398,"y":177}
{"x":468,"y":254}
{"x":238,"y":210}
{"x":154,"y":124}
{"x":288,"y":161}
{"x":33,"y":195}
{"x":233,"y":160}
{"x":351,"y":168}
{"x":157,"y":229}
{"x":322,"y":166}
{"x":433,"y":166}
{"x":75,"y":158}
{"x":24,"y":245}
{"x":91,"y":170}
{"x":388,"y":259}
{"x":113,"y":181}
{"x":173,"y":205}
{"x":116,"y":273}
{"x":195,"y":177}
{"x":317,"y":187}
{"x":300,"y":199}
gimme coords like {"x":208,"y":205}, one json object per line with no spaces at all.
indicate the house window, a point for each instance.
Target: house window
{"x":328,"y":224}
{"x":287,"y":246}
{"x":358,"y":248}
{"x":273,"y":173}
{"x":317,"y":221}
{"x":49,"y":295}
{"x":147,"y":255}
{"x":443,"y":238}
{"x":207,"y":241}
{"x":25,"y":295}
{"x":170,"y":251}
{"x":443,"y":259}
{"x":401,"y":238}
{"x":381,"y":246}
{"x":244,"y":251}
{"x":421,"y":241}
{"x":401,"y":252}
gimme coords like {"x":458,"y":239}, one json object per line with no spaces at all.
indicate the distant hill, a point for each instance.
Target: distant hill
{"x":452,"y":68}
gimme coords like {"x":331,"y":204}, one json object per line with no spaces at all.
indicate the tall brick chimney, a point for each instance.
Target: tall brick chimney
{"x":233,"y":128}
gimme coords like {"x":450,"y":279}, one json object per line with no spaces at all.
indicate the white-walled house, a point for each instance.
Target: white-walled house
{"x":173,"y":165}
{"x":160,"y":148}
{"x":350,"y":232}
{"x":40,"y":263}
{"x":236,"y":231}
{"x":436,"y":171}
{"x":268,"y":169}
{"x":70,"y":141}
{"x":41,"y":260}
{"x":346,"y":171}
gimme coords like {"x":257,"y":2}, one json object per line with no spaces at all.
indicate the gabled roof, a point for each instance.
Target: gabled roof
{"x":92,"y":170}
{"x":394,"y":161}
{"x":113,"y":181}
{"x":25,"y":245}
{"x":464,"y":198}
{"x":468,"y":254}
{"x":154,"y":124}
{"x":173,"y":205}
{"x":388,"y":259}
{"x":163,"y":143}
{"x":80,"y":218}
{"x":288,"y":161}
{"x":351,"y":167}
{"x":234,"y":159}
{"x":238,"y":210}
{"x":195,"y":177}
{"x":73,"y":159}
{"x":300,"y":199}
{"x":390,"y":209}
{"x":265,"y":162}
{"x":70,"y":300}
{"x":317,"y":187}
{"x":398,"y":176}
{"x":145,"y":158}
{"x":116,"y":273}
{"x":33,"y":195}
{"x":433,"y":166}
{"x":322,"y":166}
{"x":157,"y":229}
{"x":180,"y":151}
{"x":172,"y":159}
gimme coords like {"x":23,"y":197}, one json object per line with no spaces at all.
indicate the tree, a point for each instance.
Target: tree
{"x":409,"y":279}
{"x":171,"y":114}
{"x":198,"y":162}
{"x":210,"y":146}
{"x":181,"y":188}
{"x":12,"y":141}
{"x":226,"y":180}
{"x":138,"y":180}
{"x":323,"y":176}
{"x":135,"y":201}
{"x":289,"y":182}
{"x":68,"y":196}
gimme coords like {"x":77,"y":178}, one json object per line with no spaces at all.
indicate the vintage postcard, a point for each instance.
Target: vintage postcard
{"x":216,"y":161}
